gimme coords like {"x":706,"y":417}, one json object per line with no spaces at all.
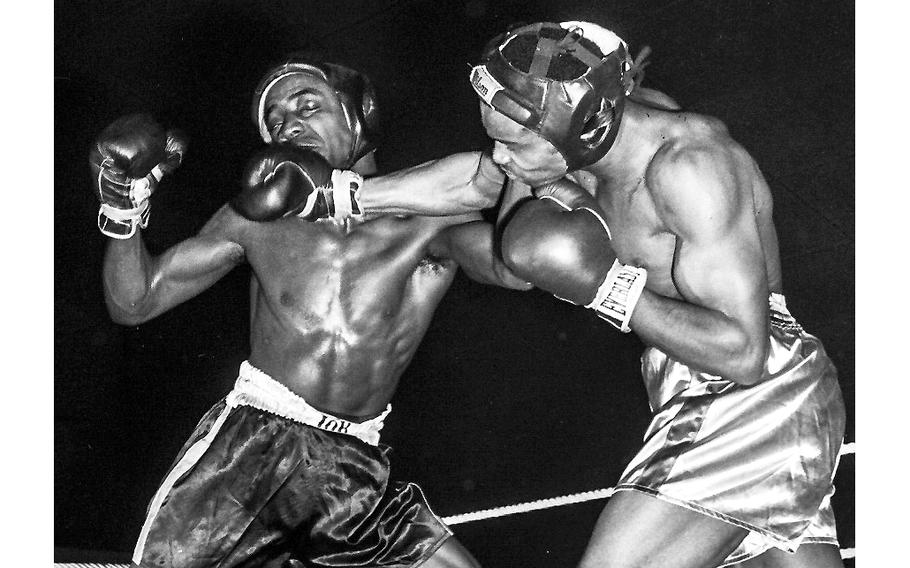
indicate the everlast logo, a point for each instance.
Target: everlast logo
{"x":618,"y":296}
{"x":614,"y":308}
{"x":333,"y":424}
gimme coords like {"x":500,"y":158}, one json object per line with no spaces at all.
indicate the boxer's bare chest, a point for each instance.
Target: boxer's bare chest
{"x":338,"y":309}
{"x":638,"y":235}
{"x":346,"y":272}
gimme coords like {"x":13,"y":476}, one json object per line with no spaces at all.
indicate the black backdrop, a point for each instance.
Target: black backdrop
{"x":512,"y":396}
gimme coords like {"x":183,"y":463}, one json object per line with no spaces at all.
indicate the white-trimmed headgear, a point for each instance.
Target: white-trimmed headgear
{"x":566,"y":82}
{"x":354,"y":90}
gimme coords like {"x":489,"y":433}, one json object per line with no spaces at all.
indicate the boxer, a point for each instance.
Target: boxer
{"x":288,"y":468}
{"x":660,"y":223}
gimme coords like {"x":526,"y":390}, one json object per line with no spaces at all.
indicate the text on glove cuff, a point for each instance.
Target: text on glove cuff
{"x":617,"y":295}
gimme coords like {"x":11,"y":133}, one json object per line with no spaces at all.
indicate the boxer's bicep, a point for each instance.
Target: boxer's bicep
{"x":472,"y":245}
{"x":139,"y":286}
{"x":718,"y":262}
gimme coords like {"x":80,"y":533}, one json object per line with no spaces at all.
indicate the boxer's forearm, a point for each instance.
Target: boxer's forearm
{"x":702,"y":338}
{"x":127,"y":277}
{"x":457,"y":184}
{"x":139,"y":286}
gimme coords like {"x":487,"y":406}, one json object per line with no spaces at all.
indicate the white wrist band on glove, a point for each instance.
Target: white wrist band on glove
{"x":131,"y":218}
{"x":345,"y":185}
{"x":140,"y":189}
{"x":617,"y":296}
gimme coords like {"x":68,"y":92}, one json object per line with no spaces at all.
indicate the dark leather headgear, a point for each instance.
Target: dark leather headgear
{"x":554,"y":80}
{"x":354,"y":90}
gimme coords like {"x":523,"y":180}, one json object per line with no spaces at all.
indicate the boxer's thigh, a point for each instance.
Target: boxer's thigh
{"x":636,"y":529}
{"x":452,"y":554}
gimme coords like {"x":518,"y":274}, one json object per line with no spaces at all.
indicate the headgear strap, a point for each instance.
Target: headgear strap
{"x":570,"y":90}
{"x":354,"y":92}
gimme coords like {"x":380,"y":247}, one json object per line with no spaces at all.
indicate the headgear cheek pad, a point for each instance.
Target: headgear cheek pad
{"x":566,"y":82}
{"x":354,"y":90}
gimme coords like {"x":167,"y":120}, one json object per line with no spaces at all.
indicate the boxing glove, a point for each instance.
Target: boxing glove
{"x":560,"y":242}
{"x":284,"y":180}
{"x":128,"y":160}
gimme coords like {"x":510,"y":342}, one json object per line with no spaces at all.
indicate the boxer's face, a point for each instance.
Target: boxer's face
{"x":304,"y":110}
{"x":522,"y":154}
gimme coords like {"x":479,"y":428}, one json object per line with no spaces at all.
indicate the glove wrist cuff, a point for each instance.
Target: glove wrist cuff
{"x":618,"y":294}
{"x":122,"y":223}
{"x":346,"y":186}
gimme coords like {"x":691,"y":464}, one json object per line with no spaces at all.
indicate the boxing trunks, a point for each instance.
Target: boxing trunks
{"x":761,"y":457}
{"x":266,"y":478}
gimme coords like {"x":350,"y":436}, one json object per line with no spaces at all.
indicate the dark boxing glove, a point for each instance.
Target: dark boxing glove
{"x":284,"y":180}
{"x":560,"y":242}
{"x":128,"y":160}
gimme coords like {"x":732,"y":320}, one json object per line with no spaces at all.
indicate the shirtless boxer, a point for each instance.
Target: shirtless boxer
{"x":287,"y":469}
{"x":667,"y":232}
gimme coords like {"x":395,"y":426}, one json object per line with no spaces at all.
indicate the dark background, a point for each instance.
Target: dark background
{"x":513,"y":396}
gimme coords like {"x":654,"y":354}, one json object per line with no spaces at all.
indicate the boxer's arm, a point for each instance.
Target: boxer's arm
{"x":719,"y":268}
{"x":139,"y":286}
{"x":471,"y":243}
{"x":453,"y":185}
{"x":514,"y":194}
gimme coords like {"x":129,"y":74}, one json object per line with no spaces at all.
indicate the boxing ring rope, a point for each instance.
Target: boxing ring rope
{"x":846,"y":449}
{"x":846,"y":553}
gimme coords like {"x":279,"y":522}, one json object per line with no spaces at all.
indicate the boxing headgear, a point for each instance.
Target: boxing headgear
{"x":566,"y":82}
{"x":354,"y":91}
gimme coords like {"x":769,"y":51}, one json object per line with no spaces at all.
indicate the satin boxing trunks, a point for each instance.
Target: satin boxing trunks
{"x":761,"y":457}
{"x":266,"y":478}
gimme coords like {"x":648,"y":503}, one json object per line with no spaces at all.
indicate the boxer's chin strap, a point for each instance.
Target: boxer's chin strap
{"x":616,"y":298}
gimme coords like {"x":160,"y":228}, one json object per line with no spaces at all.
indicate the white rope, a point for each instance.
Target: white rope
{"x":529,"y":506}
{"x":846,"y":449}
{"x":90,"y":565}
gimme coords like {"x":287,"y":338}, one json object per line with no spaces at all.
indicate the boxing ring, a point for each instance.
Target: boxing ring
{"x":848,"y":449}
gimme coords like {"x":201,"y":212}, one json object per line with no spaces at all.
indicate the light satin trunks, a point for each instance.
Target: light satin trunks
{"x":761,"y":457}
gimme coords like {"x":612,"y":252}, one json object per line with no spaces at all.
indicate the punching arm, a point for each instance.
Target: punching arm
{"x":471,"y":245}
{"x":457,"y":184}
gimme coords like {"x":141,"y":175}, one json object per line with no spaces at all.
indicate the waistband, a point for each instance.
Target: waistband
{"x":257,"y":389}
{"x":780,"y":315}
